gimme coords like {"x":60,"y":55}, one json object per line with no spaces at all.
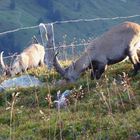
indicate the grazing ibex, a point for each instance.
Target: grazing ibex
{"x":32,"y":56}
{"x":112,"y":47}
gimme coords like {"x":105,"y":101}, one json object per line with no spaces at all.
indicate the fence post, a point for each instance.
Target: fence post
{"x":47,"y":37}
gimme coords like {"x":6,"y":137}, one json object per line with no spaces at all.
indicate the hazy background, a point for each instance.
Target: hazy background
{"x":23,"y":13}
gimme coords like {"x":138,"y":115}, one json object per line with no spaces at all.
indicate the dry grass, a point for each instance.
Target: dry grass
{"x":104,"y":109}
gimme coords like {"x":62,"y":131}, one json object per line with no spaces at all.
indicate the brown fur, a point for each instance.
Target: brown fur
{"x":33,"y":56}
{"x":112,"y":47}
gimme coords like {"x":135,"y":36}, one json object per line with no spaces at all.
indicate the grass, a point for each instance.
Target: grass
{"x":105,"y":109}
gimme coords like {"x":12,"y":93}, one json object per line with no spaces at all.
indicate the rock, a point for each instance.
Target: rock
{"x":23,"y":81}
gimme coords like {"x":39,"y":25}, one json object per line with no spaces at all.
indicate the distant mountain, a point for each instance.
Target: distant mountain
{"x":16,"y":13}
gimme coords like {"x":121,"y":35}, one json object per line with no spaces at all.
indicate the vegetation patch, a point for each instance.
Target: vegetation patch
{"x":103,"y":109}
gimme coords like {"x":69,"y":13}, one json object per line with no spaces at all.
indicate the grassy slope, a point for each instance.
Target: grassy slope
{"x":104,"y":109}
{"x":27,"y":13}
{"x":93,"y":9}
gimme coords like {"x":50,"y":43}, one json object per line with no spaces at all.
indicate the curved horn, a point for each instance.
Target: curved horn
{"x":1,"y":60}
{"x":4,"y":67}
{"x":58,"y":67}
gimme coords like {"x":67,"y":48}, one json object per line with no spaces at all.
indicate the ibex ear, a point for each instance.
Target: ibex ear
{"x":35,"y":40}
{"x":56,"y":53}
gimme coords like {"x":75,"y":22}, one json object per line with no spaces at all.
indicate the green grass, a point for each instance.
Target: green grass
{"x":103,"y":109}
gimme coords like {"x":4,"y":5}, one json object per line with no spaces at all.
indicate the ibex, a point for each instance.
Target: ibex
{"x":111,"y":47}
{"x":32,"y":56}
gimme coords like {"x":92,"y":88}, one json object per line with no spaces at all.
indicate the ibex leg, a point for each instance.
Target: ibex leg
{"x":98,"y":70}
{"x":133,"y":56}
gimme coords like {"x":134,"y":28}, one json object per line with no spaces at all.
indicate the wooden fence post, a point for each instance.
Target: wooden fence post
{"x":47,"y":37}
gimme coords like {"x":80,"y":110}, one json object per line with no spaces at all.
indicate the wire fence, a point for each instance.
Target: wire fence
{"x":70,"y":21}
{"x":64,"y":46}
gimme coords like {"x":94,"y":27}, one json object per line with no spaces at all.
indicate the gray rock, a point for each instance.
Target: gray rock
{"x":23,"y":81}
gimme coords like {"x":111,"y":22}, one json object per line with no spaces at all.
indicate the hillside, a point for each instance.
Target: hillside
{"x":16,"y":14}
{"x":105,"y":109}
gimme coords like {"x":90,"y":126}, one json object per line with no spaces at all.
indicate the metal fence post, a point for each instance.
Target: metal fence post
{"x":47,"y":36}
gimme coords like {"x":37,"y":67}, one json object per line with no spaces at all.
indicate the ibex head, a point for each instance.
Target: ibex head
{"x":31,"y":57}
{"x":7,"y":70}
{"x":72,"y":72}
{"x":16,"y":66}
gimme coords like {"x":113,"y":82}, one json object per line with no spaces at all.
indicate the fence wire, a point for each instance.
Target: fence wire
{"x":65,"y":22}
{"x":70,"y":21}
